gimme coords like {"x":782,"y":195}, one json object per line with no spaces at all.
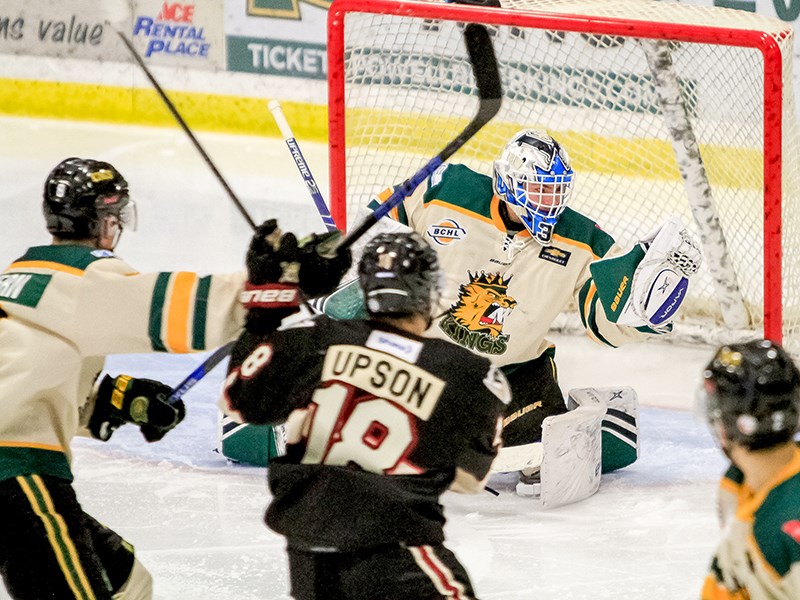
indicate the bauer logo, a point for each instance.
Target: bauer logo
{"x":446,"y":232}
{"x":172,"y":32}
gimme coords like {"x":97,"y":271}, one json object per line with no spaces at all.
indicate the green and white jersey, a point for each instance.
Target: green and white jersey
{"x":63,"y":308}
{"x":759,"y":557}
{"x":503,"y":289}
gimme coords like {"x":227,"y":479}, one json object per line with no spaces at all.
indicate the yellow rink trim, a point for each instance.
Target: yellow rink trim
{"x":390,"y":131}
{"x":387,"y":131}
{"x":142,"y":106}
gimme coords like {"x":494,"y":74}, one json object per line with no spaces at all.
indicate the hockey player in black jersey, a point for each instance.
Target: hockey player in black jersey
{"x":380,"y":422}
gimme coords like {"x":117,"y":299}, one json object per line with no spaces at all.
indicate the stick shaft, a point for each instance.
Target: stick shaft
{"x":172,"y":109}
{"x":490,"y":92}
{"x":201,"y":371}
{"x":302,"y":165}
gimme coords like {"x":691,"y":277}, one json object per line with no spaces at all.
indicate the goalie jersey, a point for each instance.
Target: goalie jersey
{"x":377,"y":421}
{"x":503,"y":289}
{"x":759,"y":558}
{"x":69,"y":306}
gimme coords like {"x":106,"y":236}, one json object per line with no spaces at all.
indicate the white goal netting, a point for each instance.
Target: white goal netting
{"x":665,"y":110}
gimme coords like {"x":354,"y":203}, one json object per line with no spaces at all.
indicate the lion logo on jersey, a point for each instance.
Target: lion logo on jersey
{"x":476,"y":320}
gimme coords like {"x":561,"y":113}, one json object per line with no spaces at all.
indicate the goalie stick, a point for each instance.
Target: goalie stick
{"x":302,"y":165}
{"x":487,"y":79}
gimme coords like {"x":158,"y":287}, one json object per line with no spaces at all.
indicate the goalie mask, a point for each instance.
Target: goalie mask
{"x":751,"y":393}
{"x":534,"y":176}
{"x":80,"y":194}
{"x":399,"y":274}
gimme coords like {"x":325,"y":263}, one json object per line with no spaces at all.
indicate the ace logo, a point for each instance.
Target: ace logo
{"x":176,"y":13}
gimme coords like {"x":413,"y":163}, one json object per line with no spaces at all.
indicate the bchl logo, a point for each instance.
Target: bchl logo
{"x":446,"y":232}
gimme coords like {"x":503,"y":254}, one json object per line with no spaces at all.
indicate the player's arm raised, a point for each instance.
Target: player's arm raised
{"x":281,"y":271}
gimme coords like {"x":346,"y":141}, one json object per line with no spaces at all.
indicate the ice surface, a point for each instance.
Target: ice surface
{"x":196,"y":521}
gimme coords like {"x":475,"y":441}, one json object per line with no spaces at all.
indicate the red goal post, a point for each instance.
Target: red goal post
{"x":664,"y":108}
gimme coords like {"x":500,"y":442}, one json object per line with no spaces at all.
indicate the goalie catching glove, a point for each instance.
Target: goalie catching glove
{"x":280,"y":267}
{"x":125,"y":399}
{"x":647,"y":286}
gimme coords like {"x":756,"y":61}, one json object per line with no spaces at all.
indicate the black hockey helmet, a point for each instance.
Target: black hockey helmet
{"x":399,"y":274}
{"x":79,"y":192}
{"x":752,"y":391}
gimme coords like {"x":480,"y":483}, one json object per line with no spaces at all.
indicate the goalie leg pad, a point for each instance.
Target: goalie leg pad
{"x":249,"y":444}
{"x":570,"y":469}
{"x":568,"y":458}
{"x":518,"y":458}
{"x":620,"y":428}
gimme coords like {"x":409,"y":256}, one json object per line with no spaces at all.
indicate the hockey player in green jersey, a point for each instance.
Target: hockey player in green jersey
{"x":515,"y":255}
{"x":751,"y":400}
{"x":63,"y":308}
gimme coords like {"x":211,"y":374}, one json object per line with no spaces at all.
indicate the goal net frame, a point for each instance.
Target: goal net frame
{"x":775,"y":86}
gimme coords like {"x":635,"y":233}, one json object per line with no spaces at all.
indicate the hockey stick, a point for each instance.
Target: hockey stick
{"x":490,"y":94}
{"x":201,"y":371}
{"x":137,"y":57}
{"x":302,"y":165}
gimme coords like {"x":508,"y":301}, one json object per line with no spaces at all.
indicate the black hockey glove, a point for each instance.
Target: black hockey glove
{"x":321,"y":267}
{"x":279,"y":267}
{"x":125,"y":399}
{"x":272,"y":292}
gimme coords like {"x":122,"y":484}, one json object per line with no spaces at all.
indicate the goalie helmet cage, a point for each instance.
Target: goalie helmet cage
{"x":689,"y":112}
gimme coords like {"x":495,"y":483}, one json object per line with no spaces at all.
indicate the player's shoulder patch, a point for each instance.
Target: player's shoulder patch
{"x":102,"y":254}
{"x":394,"y":344}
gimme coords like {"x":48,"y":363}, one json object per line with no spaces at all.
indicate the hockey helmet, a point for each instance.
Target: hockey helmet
{"x":79,"y":193}
{"x":751,"y":393}
{"x":534,"y":176}
{"x":399,"y":274}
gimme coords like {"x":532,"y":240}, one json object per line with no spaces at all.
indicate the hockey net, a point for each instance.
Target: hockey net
{"x":687,"y":113}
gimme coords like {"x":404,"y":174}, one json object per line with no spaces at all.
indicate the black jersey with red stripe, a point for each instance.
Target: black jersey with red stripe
{"x":377,"y":420}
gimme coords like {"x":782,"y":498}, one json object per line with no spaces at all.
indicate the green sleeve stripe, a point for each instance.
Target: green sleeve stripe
{"x":582,"y":301}
{"x":200,"y":313}
{"x":402,"y":216}
{"x":157,"y":310}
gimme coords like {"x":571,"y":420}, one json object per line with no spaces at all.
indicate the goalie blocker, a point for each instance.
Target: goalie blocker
{"x":598,"y":434}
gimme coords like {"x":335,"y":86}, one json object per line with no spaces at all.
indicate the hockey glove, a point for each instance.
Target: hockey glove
{"x":125,"y":399}
{"x":321,"y":266}
{"x":279,"y":267}
{"x":272,"y":292}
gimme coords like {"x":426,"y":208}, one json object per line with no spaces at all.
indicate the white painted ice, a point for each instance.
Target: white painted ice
{"x":196,"y":521}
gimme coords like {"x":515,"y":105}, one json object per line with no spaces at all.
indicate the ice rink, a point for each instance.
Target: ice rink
{"x":196,"y":521}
